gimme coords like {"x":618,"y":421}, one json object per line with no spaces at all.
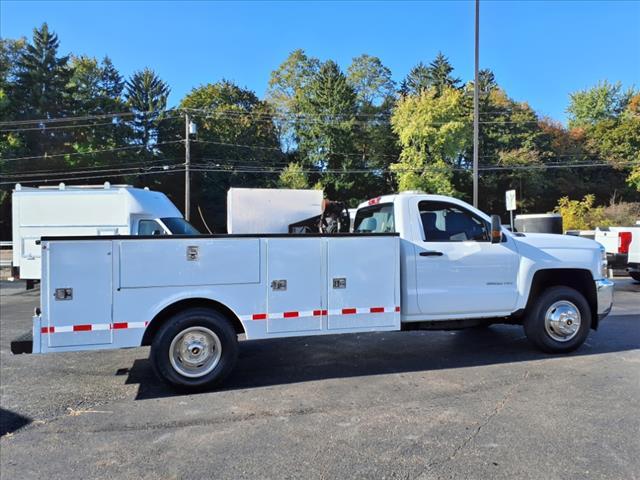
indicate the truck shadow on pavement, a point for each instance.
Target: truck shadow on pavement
{"x":11,"y":421}
{"x":302,"y":359}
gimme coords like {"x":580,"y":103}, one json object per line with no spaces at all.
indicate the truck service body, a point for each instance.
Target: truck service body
{"x":413,"y":261}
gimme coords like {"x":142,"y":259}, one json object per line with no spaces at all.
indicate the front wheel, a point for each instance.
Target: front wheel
{"x":635,"y":276}
{"x":195,"y":349}
{"x":559,"y":320}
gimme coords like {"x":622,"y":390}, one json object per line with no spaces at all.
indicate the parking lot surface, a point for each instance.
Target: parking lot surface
{"x":453,"y":404}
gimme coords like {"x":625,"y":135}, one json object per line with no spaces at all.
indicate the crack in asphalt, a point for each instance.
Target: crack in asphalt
{"x":500,"y":405}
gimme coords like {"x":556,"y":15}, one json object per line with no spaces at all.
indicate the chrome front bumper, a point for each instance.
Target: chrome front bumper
{"x":604,"y":291}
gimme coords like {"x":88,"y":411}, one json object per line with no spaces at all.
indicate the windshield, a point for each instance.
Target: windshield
{"x":375,"y":219}
{"x":179,"y":226}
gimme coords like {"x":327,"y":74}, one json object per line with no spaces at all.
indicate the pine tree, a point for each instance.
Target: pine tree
{"x":40,"y":91}
{"x":326,"y":134}
{"x":440,"y":73}
{"x":42,"y":77}
{"x":418,"y":80}
{"x":146,"y":95}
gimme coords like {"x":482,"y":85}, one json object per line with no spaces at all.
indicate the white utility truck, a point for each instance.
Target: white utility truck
{"x":414,"y":261}
{"x":85,"y":210}
{"x":617,"y":243}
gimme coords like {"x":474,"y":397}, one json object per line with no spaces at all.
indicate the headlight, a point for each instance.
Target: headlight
{"x":603,"y":262}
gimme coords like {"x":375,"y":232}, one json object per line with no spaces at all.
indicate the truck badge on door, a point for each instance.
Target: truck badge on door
{"x":340,"y":282}
{"x":192,"y":253}
{"x":279,"y":285}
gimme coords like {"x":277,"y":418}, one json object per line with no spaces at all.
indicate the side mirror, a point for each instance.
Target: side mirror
{"x":496,"y":229}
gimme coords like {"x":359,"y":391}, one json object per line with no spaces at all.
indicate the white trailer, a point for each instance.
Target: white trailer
{"x":269,"y":210}
{"x":414,"y":261}
{"x":82,"y":211}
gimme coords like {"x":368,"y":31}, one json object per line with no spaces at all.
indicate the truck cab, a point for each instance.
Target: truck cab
{"x":452,"y":269}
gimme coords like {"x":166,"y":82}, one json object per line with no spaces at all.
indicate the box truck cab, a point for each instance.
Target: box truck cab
{"x":64,"y":211}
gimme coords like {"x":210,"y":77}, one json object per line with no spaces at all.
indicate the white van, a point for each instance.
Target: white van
{"x":64,"y":211}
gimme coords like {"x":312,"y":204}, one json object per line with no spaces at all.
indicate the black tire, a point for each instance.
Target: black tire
{"x":635,"y":276}
{"x":206,"y":319}
{"x":534,"y":322}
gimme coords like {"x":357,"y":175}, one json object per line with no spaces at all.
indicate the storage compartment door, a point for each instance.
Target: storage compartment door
{"x":295,"y":285}
{"x":363,"y":283}
{"x":82,"y":314}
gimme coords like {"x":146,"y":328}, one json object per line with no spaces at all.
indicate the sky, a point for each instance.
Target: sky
{"x":539,"y":51}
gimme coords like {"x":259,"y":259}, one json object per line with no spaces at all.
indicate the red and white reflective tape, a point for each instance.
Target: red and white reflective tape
{"x":319,"y":313}
{"x":93,"y":327}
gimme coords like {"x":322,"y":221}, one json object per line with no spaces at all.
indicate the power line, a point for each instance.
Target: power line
{"x":97,"y":116}
{"x":176,"y":170}
{"x":64,"y":127}
{"x":117,"y":149}
{"x":257,"y":169}
{"x":142,"y":164}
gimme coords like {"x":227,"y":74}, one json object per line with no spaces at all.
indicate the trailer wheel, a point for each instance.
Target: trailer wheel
{"x":558,"y":321}
{"x":195,"y":349}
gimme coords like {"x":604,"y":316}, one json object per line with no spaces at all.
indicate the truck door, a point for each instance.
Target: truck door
{"x":459,"y":272}
{"x":78,"y":287}
{"x":295,"y":283}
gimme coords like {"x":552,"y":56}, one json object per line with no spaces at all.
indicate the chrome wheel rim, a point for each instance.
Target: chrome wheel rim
{"x":195,"y":351}
{"x":562,"y":321}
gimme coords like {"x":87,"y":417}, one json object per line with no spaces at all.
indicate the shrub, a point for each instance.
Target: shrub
{"x":580,"y":214}
{"x":584,"y":215}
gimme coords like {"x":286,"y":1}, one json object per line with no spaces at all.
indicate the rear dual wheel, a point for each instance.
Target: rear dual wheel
{"x":195,"y":349}
{"x":559,"y":320}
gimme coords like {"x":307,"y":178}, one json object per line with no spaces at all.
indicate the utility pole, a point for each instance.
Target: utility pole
{"x":187,"y":164}
{"x":476,"y":112}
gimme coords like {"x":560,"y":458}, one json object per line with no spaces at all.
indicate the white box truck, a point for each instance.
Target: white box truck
{"x":65,"y":211}
{"x":414,"y":261}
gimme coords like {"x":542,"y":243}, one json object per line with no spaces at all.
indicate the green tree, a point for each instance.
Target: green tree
{"x":293,"y":176}
{"x":326,"y":140}
{"x":433,"y":130}
{"x":486,"y":81}
{"x":146,"y":95}
{"x":440,"y":74}
{"x":236,"y":145}
{"x":42,"y":77}
{"x":374,"y":140}
{"x":287,"y":85}
{"x":418,"y":79}
{"x":370,"y":80}
{"x":10,"y":51}
{"x":96,"y":89}
{"x":605,"y":101}
{"x":40,"y":91}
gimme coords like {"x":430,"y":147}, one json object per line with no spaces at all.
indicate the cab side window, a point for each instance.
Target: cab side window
{"x":149,"y":227}
{"x":446,"y":222}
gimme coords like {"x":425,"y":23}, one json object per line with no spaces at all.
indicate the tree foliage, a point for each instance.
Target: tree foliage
{"x":433,"y":131}
{"x":605,"y":101}
{"x":580,"y":214}
{"x":352,"y":132}
{"x":293,"y":176}
{"x":146,"y":95}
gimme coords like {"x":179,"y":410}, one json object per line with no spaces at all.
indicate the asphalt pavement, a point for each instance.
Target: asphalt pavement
{"x":421,"y":405}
